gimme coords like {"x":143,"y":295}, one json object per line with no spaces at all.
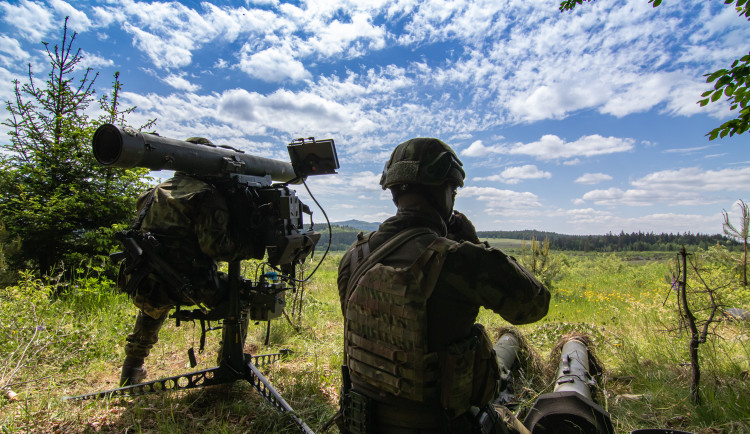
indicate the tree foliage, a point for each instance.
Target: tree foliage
{"x":56,"y":199}
{"x":733,"y":84}
{"x":622,"y":242}
{"x":730,"y":83}
{"x":540,"y":262}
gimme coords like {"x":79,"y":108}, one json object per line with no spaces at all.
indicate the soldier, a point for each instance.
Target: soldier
{"x":192,"y":224}
{"x":410,"y":292}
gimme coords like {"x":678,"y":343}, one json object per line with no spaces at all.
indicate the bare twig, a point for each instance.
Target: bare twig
{"x":8,"y":377}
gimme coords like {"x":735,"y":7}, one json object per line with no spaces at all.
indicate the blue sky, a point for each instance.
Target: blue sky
{"x":582,"y":122}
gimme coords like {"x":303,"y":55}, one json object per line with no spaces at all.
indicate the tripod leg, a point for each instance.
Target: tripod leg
{"x":264,"y":387}
{"x":234,"y":328}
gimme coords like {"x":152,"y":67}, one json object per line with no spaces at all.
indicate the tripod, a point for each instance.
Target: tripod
{"x":234,"y":363}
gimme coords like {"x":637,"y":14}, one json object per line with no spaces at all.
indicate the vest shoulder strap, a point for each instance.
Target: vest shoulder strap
{"x":378,"y":254}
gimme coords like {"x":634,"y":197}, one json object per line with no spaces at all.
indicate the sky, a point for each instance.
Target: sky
{"x":582,"y":122}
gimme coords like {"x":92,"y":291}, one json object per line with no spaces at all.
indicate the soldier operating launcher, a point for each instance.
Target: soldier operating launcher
{"x":229,"y":195}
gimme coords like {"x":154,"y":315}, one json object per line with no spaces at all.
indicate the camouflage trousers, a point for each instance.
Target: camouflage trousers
{"x":145,"y":334}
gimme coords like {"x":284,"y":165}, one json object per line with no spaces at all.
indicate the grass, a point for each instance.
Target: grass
{"x":506,"y":244}
{"x":53,"y":346}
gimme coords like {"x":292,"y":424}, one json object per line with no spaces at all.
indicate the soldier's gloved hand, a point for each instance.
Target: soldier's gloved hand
{"x":460,"y":228}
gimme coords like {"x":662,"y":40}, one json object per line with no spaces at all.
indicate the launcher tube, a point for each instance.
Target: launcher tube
{"x":127,"y":148}
{"x":573,"y":372}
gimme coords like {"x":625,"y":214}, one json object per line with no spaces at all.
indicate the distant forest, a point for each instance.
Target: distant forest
{"x":344,"y":234}
{"x":622,"y":242}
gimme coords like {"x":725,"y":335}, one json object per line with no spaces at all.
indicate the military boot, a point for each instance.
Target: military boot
{"x":133,"y":371}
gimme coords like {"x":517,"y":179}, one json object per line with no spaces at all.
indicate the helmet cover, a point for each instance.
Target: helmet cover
{"x":425,"y":161}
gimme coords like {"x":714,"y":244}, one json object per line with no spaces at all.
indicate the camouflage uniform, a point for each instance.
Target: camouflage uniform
{"x":191,"y":220}
{"x":473,"y":275}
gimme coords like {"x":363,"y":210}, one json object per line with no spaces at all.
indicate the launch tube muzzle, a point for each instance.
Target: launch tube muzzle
{"x":570,"y":409}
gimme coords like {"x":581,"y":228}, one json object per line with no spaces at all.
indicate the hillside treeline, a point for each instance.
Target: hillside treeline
{"x":622,"y":242}
{"x":344,"y":236}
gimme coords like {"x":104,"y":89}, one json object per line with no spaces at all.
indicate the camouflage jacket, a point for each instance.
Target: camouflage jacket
{"x":472,"y":276}
{"x":191,"y":218}
{"x":191,"y":221}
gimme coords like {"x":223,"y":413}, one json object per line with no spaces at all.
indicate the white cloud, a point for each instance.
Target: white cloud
{"x":633,"y":197}
{"x":298,"y":113}
{"x":514,"y":175}
{"x":369,"y":88}
{"x":592,"y":221}
{"x":336,"y":37}
{"x":168,"y":33}
{"x":593,"y":178}
{"x":525,"y":61}
{"x":365,"y":181}
{"x":11,"y":51}
{"x":180,"y":82}
{"x":163,"y":53}
{"x":555,"y":100}
{"x":676,"y":187}
{"x":690,"y":150}
{"x":6,"y":92}
{"x":534,"y":63}
{"x":501,"y":202}
{"x":551,"y":147}
{"x":478,"y":149}
{"x":273,"y":64}
{"x":641,"y":94}
{"x":32,"y":19}
{"x":89,"y":60}
{"x":77,"y":20}
{"x":697,"y":179}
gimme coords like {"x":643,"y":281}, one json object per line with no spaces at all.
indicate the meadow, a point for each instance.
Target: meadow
{"x":65,"y":337}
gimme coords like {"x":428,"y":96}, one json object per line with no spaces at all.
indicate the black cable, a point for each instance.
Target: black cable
{"x":330,"y":235}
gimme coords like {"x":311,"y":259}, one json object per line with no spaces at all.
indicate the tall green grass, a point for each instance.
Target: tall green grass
{"x":63,"y":339}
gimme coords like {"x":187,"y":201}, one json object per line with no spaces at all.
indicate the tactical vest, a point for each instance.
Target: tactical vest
{"x":386,"y":320}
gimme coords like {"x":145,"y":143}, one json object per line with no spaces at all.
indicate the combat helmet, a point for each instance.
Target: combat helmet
{"x":425,"y":161}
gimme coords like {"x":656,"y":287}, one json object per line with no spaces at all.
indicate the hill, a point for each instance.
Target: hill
{"x":357,"y":224}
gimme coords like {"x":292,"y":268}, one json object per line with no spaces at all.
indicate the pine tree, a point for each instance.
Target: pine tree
{"x":55,"y":198}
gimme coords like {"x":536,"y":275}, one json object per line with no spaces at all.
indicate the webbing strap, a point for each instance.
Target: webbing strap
{"x":395,"y":354}
{"x":386,"y":307}
{"x":395,"y":385}
{"x":146,"y":207}
{"x":383,"y":250}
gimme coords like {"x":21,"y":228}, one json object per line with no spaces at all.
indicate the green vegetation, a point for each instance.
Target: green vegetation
{"x":344,"y":234}
{"x":57,"y":203}
{"x":622,"y":242}
{"x":341,"y":236}
{"x":65,"y":336}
